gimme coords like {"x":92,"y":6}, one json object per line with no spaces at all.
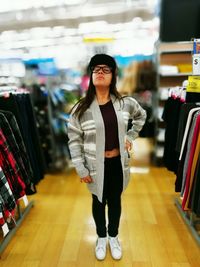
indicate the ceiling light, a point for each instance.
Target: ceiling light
{"x":74,"y":2}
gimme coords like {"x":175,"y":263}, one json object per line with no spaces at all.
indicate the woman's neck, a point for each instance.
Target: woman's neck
{"x":102,"y":97}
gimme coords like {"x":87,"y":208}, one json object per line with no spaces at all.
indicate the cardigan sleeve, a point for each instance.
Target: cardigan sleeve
{"x":75,"y":135}
{"x":138,"y":118}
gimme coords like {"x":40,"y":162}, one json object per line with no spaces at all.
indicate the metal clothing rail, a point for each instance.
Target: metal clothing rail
{"x":21,"y":217}
{"x":190,"y":219}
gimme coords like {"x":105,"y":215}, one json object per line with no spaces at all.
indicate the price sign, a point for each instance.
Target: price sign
{"x":193,"y":84}
{"x":196,"y":64}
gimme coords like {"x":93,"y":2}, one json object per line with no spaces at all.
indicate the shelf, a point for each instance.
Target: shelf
{"x":172,"y":47}
{"x":173,"y":66}
{"x":176,"y":51}
{"x":189,"y":220}
{"x":22,"y":215}
{"x":175,"y":59}
{"x":176,"y":74}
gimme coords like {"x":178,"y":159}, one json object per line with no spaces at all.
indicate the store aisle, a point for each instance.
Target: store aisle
{"x":59,"y":231}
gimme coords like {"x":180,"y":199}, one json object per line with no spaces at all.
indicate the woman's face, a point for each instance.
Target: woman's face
{"x":101,"y":76}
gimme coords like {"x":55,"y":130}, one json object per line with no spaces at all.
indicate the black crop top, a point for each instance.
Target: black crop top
{"x":111,"y":126}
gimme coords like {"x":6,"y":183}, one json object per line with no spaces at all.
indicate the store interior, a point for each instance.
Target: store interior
{"x":45,"y":48}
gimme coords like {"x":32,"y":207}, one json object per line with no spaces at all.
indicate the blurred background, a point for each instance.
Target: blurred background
{"x":45,"y":47}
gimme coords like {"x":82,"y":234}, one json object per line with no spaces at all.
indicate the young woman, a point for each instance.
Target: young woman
{"x":99,"y":144}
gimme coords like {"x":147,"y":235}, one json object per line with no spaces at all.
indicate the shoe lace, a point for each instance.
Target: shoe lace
{"x":100,"y":243}
{"x":115,"y":243}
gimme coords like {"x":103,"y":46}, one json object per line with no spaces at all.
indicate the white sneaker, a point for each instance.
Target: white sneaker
{"x":115,"y":248}
{"x":100,"y":249}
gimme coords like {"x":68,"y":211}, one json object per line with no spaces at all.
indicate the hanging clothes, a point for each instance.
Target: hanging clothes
{"x":21,"y":107}
{"x":7,"y":200}
{"x":192,"y":142}
{"x":183,"y":115}
{"x":195,"y":198}
{"x":187,"y":112}
{"x":193,"y":171}
{"x":192,"y":97}
{"x":10,"y":169}
{"x":182,"y":148}
{"x":171,"y":118}
{"x":31,"y":135}
{"x":18,"y":149}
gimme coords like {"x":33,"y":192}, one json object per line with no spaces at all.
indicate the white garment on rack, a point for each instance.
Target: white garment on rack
{"x":187,"y":156}
{"x":189,"y":119}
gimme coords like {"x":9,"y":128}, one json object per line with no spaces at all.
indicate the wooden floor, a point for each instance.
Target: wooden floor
{"x":59,"y":230}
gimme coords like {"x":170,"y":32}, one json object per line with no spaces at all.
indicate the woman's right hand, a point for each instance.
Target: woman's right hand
{"x":87,"y":180}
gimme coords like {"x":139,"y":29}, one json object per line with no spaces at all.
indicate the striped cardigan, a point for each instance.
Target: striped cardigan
{"x":87,"y":140}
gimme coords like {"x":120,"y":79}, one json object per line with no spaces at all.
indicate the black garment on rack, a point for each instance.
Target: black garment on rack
{"x":171,"y":118}
{"x":192,"y":97}
{"x":31,"y":134}
{"x":21,"y":107}
{"x":10,"y":104}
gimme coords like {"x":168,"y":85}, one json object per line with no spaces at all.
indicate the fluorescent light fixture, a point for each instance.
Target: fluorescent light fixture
{"x":10,"y":5}
{"x":74,"y":2}
{"x":142,"y":170}
{"x":91,"y":27}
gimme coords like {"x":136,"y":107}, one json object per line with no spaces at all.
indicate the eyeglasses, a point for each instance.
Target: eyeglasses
{"x":105,"y":69}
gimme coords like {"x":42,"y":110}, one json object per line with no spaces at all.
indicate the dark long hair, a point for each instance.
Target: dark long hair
{"x":84,"y":103}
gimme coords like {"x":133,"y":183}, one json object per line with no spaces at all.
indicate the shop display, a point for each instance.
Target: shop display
{"x":20,"y":165}
{"x":182,"y":148}
{"x":173,"y":64}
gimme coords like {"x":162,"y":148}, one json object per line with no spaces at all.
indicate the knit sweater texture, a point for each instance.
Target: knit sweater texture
{"x":87,"y":140}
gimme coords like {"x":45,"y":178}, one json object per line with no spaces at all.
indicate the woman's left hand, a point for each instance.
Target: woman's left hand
{"x":128,"y":145}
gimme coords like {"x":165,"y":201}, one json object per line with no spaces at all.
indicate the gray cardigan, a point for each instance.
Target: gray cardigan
{"x":87,"y":140}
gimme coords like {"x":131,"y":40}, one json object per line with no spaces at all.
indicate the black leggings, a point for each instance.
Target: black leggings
{"x":113,"y":185}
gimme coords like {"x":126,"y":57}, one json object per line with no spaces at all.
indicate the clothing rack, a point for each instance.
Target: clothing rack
{"x":21,"y":212}
{"x":176,"y":153}
{"x":21,"y":216}
{"x":190,"y":219}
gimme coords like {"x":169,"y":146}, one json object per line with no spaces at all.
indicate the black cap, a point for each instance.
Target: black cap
{"x":100,"y":59}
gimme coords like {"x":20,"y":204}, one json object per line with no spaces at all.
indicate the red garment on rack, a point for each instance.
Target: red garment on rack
{"x":192,"y":151}
{"x":8,"y":165}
